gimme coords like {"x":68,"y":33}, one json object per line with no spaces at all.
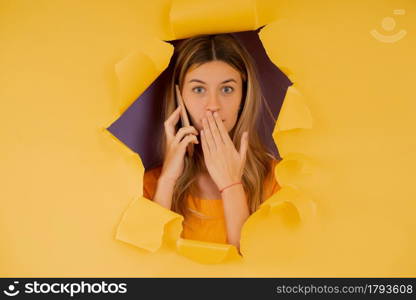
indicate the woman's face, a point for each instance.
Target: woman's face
{"x":212,"y":86}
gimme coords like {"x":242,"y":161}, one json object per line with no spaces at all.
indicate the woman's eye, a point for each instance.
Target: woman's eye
{"x":200,"y":89}
{"x":197,"y":89}
{"x":228,"y":89}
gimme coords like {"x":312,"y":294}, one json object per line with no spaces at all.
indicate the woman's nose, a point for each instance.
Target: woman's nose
{"x":213,"y":104}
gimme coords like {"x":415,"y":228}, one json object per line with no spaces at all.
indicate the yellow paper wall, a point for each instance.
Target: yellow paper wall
{"x":345,"y":132}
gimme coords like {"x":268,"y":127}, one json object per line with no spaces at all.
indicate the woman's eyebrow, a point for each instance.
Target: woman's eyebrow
{"x":225,"y":81}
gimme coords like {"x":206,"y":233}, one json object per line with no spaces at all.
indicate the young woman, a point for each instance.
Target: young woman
{"x":230,"y":172}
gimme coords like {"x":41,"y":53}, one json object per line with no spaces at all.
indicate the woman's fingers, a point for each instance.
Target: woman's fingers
{"x":205,"y":148}
{"x":185,"y":131}
{"x":188,"y":139}
{"x":208,"y":136}
{"x":214,"y":130}
{"x":243,"y":146}
{"x":223,"y":131}
{"x":171,"y":122}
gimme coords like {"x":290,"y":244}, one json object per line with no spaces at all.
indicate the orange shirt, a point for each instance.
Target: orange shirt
{"x":207,"y":220}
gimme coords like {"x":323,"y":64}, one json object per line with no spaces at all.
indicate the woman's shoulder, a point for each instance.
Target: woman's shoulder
{"x":274,"y":161}
{"x":271,"y":184}
{"x":150,"y":179}
{"x":153,"y":172}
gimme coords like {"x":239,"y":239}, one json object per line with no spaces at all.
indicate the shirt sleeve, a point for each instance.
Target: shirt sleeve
{"x":272,"y":186}
{"x":150,"y":179}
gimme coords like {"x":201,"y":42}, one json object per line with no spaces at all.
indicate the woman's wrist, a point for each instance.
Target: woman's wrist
{"x":235,"y":183}
{"x":166,"y":180}
{"x":164,"y":191}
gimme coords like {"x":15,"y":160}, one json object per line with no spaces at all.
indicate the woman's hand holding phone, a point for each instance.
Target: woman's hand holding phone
{"x":177,"y":143}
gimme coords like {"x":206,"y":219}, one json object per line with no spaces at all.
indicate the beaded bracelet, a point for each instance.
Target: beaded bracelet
{"x":230,"y":186}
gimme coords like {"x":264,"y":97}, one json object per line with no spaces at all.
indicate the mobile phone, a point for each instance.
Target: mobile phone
{"x":184,"y":117}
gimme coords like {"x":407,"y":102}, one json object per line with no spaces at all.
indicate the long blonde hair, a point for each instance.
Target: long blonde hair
{"x":193,"y":52}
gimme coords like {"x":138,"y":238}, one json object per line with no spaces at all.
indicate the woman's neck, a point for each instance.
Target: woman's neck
{"x":207,"y":187}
